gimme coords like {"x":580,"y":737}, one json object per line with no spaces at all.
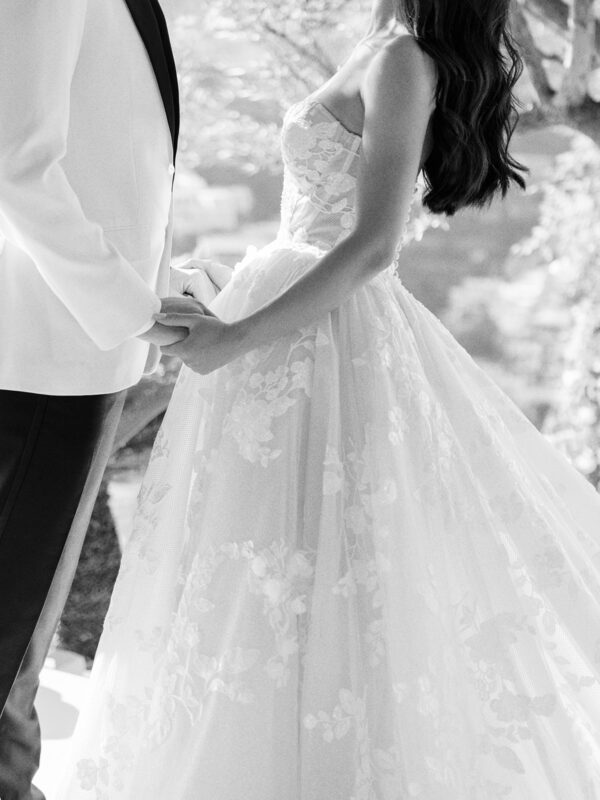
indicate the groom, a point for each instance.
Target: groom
{"x":89,"y":121}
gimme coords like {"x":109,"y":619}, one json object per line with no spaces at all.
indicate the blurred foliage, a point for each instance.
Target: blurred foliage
{"x":542,"y":317}
{"x":241,"y":64}
{"x":566,"y":243}
{"x":83,"y":616}
{"x":574,"y":424}
{"x":560,"y":42}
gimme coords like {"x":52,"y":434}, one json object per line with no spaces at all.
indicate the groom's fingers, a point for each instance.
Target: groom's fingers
{"x":220,"y":274}
{"x":201,"y":287}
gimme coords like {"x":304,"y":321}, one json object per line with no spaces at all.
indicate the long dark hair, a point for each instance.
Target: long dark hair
{"x":478,"y":66}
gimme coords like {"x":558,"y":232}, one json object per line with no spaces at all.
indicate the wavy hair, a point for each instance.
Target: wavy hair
{"x":478,"y":66}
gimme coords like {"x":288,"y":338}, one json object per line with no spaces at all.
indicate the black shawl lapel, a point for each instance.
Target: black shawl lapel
{"x":152,"y":27}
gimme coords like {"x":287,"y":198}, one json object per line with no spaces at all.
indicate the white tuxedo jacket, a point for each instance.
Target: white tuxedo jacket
{"x":86,"y":170}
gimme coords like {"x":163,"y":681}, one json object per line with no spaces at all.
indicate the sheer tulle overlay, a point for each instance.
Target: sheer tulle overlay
{"x":357,"y":571}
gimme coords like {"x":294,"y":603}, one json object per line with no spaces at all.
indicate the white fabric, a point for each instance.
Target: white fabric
{"x":85,"y":194}
{"x":357,"y":571}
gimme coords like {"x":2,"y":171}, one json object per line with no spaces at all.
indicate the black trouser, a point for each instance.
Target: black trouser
{"x":53,"y":452}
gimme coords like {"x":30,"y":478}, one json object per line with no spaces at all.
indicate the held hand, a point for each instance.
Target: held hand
{"x":210,"y":344}
{"x":183,"y":305}
{"x":219,"y":274}
{"x":162,"y":335}
{"x":203,"y":279}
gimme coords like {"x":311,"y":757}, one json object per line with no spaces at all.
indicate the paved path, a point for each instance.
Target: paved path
{"x":60,"y":697}
{"x":64,"y":681}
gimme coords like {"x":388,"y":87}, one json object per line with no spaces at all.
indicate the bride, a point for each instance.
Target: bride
{"x":357,"y":571}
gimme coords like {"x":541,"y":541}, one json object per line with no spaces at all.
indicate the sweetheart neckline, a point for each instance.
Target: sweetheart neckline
{"x":310,"y":102}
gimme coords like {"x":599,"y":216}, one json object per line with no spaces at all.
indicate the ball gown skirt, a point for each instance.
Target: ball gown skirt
{"x":357,"y":572}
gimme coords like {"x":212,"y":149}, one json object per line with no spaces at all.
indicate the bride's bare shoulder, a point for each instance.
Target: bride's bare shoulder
{"x":402,"y":61}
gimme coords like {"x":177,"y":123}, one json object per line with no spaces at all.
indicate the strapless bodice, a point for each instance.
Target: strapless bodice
{"x":320,"y":170}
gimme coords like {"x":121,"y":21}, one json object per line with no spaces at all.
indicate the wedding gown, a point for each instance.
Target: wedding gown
{"x":357,"y":571}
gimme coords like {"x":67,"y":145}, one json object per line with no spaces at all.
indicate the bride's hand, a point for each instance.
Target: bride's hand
{"x":210,"y":344}
{"x":183,"y":305}
{"x":163,"y":335}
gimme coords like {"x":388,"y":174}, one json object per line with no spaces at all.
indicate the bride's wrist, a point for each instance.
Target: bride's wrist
{"x":239,"y":334}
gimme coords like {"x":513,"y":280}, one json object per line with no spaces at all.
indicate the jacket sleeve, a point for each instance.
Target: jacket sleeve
{"x":39,"y":211}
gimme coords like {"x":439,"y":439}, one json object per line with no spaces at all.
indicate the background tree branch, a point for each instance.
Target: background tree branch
{"x":582,"y":27}
{"x":531,"y":54}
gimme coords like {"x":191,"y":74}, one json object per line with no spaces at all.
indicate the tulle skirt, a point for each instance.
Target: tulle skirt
{"x":357,"y":573}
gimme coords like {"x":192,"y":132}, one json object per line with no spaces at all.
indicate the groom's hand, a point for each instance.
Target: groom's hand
{"x":200,"y":278}
{"x":163,"y":335}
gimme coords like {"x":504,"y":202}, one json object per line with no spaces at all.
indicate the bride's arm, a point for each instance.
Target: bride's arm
{"x":398,"y":95}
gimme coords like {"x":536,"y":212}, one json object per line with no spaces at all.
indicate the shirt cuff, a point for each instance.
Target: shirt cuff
{"x":149,"y":324}
{"x":144,"y":329}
